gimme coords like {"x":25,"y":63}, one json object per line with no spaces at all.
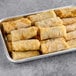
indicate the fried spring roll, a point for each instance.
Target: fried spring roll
{"x":11,"y":25}
{"x":42,"y":15}
{"x":71,"y":27}
{"x":53,"y":45}
{"x":68,"y":21}
{"x":8,"y":26}
{"x":72,"y":43}
{"x":23,"y":22}
{"x":71,"y":35}
{"x":24,"y":33}
{"x":66,"y":12}
{"x":49,"y":22}
{"x":22,"y":55}
{"x":53,"y":32}
{"x":25,"y":45}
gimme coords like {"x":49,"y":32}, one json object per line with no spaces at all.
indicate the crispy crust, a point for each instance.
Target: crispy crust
{"x":22,"y":23}
{"x":24,"y":33}
{"x":41,"y":16}
{"x":53,"y":32}
{"x":12,"y":25}
{"x":25,"y":45}
{"x":49,"y":22}
{"x":53,"y":45}
{"x":21,"y":55}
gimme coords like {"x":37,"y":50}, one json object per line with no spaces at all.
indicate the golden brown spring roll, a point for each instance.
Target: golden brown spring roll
{"x":25,"y":45}
{"x":24,"y":33}
{"x":8,"y":26}
{"x":72,"y":43}
{"x":22,"y":55}
{"x":23,"y":22}
{"x":42,"y":15}
{"x":9,"y":37}
{"x":56,"y":21}
{"x":66,"y":12}
{"x":71,"y":27}
{"x":11,"y":25}
{"x":53,"y":32}
{"x":68,"y":21}
{"x":71,"y":35}
{"x":53,"y":45}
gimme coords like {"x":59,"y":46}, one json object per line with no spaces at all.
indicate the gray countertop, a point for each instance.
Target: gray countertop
{"x":62,"y":65}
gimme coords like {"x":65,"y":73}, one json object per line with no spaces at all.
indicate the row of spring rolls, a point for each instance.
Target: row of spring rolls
{"x":47,"y":46}
{"x":44,"y":33}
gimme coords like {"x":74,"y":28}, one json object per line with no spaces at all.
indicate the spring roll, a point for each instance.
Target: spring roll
{"x":24,"y":33}
{"x":71,"y":35}
{"x":41,"y":16}
{"x":22,"y":55}
{"x":11,"y":25}
{"x":53,"y":32}
{"x":23,"y":22}
{"x":53,"y":45}
{"x":8,"y":26}
{"x":49,"y":22}
{"x":25,"y":45}
{"x":72,"y":43}
{"x":66,"y":12}
{"x":71,"y":27}
{"x":68,"y":21}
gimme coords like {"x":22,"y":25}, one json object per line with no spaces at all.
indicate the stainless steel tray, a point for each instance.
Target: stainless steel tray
{"x":35,"y":57}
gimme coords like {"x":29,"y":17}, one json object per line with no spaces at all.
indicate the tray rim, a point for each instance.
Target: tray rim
{"x":35,"y":57}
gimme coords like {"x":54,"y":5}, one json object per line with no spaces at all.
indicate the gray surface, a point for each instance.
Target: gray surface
{"x":62,"y":65}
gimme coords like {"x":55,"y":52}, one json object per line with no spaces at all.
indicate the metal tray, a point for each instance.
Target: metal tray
{"x":35,"y":57}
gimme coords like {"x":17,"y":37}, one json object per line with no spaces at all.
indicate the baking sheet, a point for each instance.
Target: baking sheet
{"x":31,"y":58}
